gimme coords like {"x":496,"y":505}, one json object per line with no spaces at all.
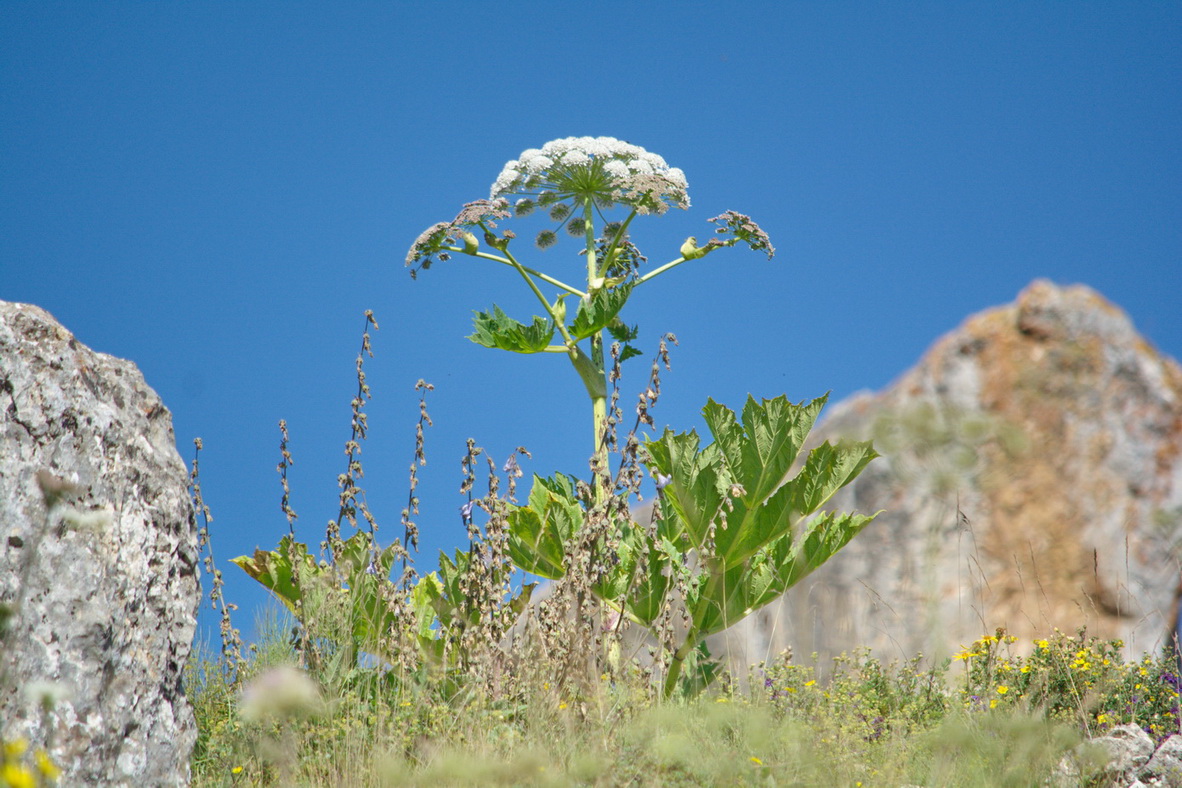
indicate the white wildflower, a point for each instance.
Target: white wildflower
{"x":616,"y":168}
{"x":281,"y":692}
{"x":575,"y":158}
{"x":46,"y":694}
{"x":604,"y":169}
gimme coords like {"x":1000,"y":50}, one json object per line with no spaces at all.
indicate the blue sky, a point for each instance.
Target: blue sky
{"x":217,"y":191}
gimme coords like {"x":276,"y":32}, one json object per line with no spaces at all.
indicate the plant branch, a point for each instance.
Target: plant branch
{"x":658,"y":271}
{"x":614,"y":246}
{"x":544,"y":277}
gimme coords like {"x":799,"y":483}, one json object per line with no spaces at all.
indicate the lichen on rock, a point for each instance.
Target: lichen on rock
{"x":98,"y":561}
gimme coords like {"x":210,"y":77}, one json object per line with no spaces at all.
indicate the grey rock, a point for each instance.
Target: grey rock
{"x":1031,"y":479}
{"x":1128,"y":747}
{"x":1115,"y":759}
{"x":1165,"y":767}
{"x":99,"y":571}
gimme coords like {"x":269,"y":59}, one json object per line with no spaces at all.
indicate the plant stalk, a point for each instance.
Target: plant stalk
{"x":598,"y":398}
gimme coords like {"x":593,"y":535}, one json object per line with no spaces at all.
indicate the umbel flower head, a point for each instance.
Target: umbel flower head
{"x":566,"y":177}
{"x":432,"y":242}
{"x":604,"y":169}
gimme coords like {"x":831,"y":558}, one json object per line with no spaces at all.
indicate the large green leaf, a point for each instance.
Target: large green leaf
{"x":597,"y":312}
{"x":737,"y":493}
{"x":539,"y":531}
{"x":363,"y":569}
{"x":452,"y":607}
{"x":695,"y":494}
{"x":497,"y":330}
{"x":759,"y":456}
{"x":640,"y":577}
{"x":424,"y":598}
{"x":745,"y":530}
{"x":274,"y":569}
{"x":761,"y":451}
{"x":711,"y":603}
{"x":823,"y":537}
{"x":827,"y":470}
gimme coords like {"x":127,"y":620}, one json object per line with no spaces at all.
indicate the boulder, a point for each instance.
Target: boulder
{"x":98,"y":561}
{"x":1031,"y":479}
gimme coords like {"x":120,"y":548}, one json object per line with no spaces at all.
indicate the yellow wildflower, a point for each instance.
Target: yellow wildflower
{"x":15,"y":748}
{"x":49,"y":770}
{"x":16,"y":776}
{"x":756,"y":761}
{"x":1002,"y":689}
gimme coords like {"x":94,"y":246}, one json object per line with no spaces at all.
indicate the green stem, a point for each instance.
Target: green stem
{"x":610,"y":254}
{"x":559,"y":324}
{"x":589,"y":234}
{"x":693,"y":637}
{"x":676,"y":664}
{"x":544,"y":277}
{"x":598,"y":397}
{"x":661,"y":270}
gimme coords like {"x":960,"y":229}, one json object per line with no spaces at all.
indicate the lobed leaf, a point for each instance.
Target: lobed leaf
{"x":274,"y":570}
{"x":497,"y":330}
{"x":538,"y":532}
{"x":600,"y":310}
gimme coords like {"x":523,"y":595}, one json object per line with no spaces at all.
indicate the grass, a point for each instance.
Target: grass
{"x":1006,"y":720}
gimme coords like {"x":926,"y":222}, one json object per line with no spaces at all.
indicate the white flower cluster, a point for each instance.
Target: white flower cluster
{"x":609,"y":168}
{"x":282,"y":692}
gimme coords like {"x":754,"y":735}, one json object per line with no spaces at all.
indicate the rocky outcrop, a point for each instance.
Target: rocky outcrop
{"x":1031,"y":479}
{"x":98,"y":561}
{"x":1125,"y":756}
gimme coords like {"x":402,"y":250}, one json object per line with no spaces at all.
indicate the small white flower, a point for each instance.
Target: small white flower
{"x":283,"y":691}
{"x":640,"y":167}
{"x":575,"y":158}
{"x":46,"y":694}
{"x":616,"y":168}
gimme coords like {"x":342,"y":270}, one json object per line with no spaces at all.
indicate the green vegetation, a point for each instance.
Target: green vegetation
{"x":376,"y":675}
{"x":737,"y":522}
{"x":498,"y":692}
{"x":1005,"y":721}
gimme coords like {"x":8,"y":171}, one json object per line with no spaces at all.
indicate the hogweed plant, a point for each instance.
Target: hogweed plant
{"x":732,"y":531}
{"x":733,"y":526}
